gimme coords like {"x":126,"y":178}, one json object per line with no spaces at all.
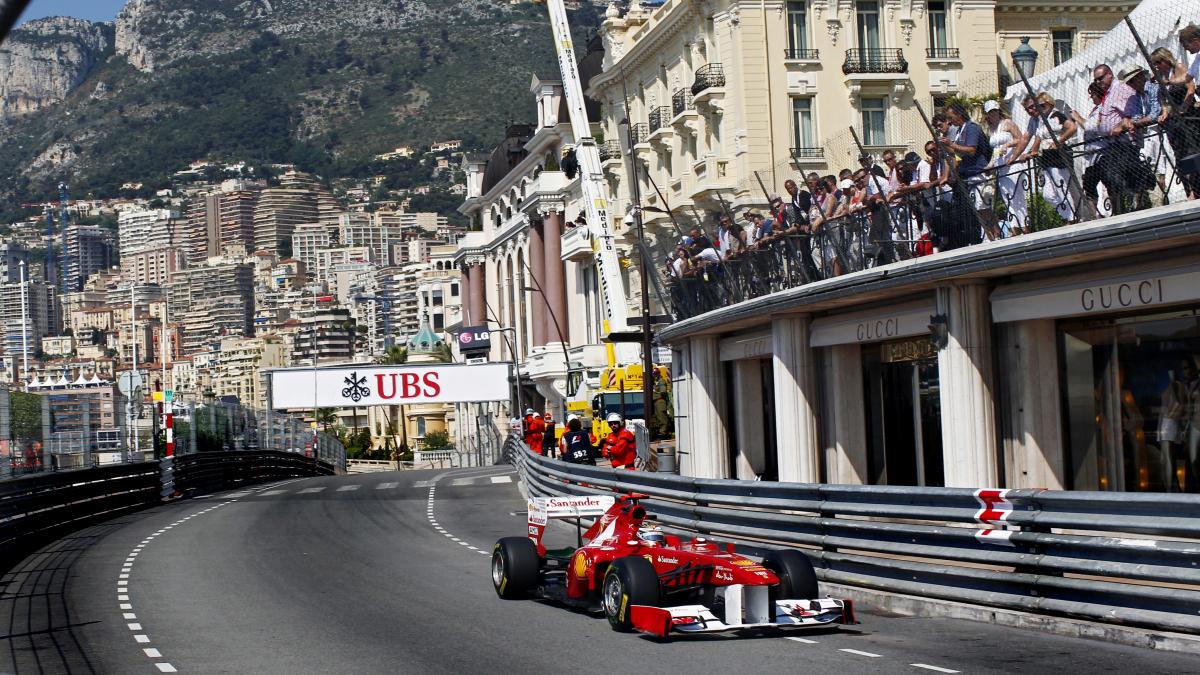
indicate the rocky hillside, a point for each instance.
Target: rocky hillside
{"x":325,"y":84}
{"x":45,"y":60}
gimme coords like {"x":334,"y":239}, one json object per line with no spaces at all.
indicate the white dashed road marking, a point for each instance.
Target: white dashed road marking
{"x":123,"y":577}
{"x":501,"y":479}
{"x":386,"y":486}
{"x":803,"y":640}
{"x":432,"y":485}
{"x":347,"y":488}
{"x":311,"y":490}
{"x":860,"y":653}
{"x":936,"y":669}
{"x":273,"y":492}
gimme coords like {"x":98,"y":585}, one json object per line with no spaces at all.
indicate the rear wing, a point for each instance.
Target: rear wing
{"x":544,"y":509}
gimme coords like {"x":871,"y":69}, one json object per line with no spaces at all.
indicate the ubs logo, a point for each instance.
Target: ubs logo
{"x":1119,"y":296}
{"x":878,"y":330}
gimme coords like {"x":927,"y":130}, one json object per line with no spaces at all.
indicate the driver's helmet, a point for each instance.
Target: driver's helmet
{"x":651,"y":535}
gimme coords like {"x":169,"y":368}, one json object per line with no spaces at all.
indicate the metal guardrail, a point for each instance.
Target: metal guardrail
{"x":37,"y":508}
{"x":1110,"y":557}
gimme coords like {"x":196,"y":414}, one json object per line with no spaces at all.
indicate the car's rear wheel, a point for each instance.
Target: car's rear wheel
{"x":629,"y":581}
{"x":515,"y":567}
{"x":797,"y":578}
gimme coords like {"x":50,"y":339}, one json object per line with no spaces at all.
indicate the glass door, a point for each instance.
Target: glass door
{"x":868,"y":25}
{"x":903,"y":413}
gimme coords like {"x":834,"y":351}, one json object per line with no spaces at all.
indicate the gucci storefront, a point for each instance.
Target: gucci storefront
{"x":1128,"y":350}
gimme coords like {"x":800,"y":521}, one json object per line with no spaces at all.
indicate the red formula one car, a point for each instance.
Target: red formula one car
{"x":645,"y":580}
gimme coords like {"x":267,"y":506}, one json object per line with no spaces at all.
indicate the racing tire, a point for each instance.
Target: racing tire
{"x":629,"y":581}
{"x":515,"y":567}
{"x":797,"y":578}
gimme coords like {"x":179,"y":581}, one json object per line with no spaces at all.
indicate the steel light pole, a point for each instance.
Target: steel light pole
{"x":24,"y":326}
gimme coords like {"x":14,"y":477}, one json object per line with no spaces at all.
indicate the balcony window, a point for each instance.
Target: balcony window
{"x":659,"y":118}
{"x":874,"y":61}
{"x":874,"y":130}
{"x":797,"y":26}
{"x":803,"y":133}
{"x":938,"y":36}
{"x":868,"y":24}
{"x":1063,"y":42}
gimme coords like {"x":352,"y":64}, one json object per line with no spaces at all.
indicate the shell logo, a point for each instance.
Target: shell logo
{"x":580,"y":565}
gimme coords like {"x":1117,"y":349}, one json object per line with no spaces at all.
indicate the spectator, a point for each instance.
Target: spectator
{"x":1004,"y":136}
{"x":699,"y":239}
{"x":1092,"y":145}
{"x":866,"y":161}
{"x":1120,"y":166}
{"x":1181,"y":121}
{"x":892,"y":173}
{"x":1048,"y":144}
{"x":799,"y":201}
{"x":1189,"y":39}
{"x":1148,"y":112}
{"x":681,"y":265}
{"x":823,"y":205}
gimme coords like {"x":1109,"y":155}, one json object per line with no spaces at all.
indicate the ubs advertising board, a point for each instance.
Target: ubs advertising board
{"x":368,"y":385}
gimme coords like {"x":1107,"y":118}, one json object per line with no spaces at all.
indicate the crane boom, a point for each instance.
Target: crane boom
{"x":591,"y":177}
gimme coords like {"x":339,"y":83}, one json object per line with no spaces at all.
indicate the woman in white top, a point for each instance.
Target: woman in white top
{"x":1011,"y":175}
{"x":1048,"y":145}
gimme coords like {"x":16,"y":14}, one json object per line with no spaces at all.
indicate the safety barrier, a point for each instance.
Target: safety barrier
{"x":36,"y":509}
{"x":1126,"y":558}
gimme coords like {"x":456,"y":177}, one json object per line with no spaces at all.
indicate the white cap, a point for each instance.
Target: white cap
{"x":529,"y":411}
{"x":613,"y":417}
{"x":990,"y":105}
{"x":572,"y":417}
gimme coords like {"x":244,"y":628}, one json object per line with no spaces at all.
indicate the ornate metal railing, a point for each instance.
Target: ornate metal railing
{"x":609,"y":150}
{"x":808,"y":153}
{"x":660,"y":117}
{"x":802,"y":54}
{"x":874,"y":61}
{"x":941,"y":53}
{"x":681,"y":101}
{"x":638,"y":133}
{"x":708,"y":75}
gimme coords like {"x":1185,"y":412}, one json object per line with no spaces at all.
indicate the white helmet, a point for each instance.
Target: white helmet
{"x":572,"y":417}
{"x":613,"y":417}
{"x":649,"y":534}
{"x":529,"y":411}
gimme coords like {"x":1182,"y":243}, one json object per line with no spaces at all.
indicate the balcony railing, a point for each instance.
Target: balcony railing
{"x":1002,"y":202}
{"x":808,"y":153}
{"x":659,"y":118}
{"x":802,"y":54}
{"x":946,"y":53}
{"x":681,"y":101}
{"x":874,"y":61}
{"x":708,"y":75}
{"x":638,"y":133}
{"x":609,"y":150}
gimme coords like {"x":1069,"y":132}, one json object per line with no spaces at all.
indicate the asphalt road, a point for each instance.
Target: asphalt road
{"x":358,"y":574}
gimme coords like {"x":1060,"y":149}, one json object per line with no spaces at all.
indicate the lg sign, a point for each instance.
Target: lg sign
{"x":475,"y":339}
{"x":368,"y":385}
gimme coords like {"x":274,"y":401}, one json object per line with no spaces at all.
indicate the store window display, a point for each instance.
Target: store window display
{"x":1132,"y":400}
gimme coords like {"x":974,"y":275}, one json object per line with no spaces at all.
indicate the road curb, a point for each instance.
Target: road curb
{"x":911,"y":605}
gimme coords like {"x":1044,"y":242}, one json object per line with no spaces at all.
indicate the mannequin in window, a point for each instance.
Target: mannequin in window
{"x":1172,"y":418}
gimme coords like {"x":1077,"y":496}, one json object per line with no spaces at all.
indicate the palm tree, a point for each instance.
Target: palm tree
{"x":325,"y":417}
{"x":443,"y":353}
{"x":395,"y":355}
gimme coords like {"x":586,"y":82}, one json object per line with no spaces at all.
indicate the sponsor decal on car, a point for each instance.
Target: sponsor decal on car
{"x":745,"y":563}
{"x":722,"y":574}
{"x":668,"y":561}
{"x":581,"y":565}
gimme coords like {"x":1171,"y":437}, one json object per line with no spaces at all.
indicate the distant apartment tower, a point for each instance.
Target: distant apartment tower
{"x":308,"y":240}
{"x":213,"y":302}
{"x":359,"y":229}
{"x":11,"y":257}
{"x":143,"y":230}
{"x":220,"y":220}
{"x":89,"y":250}
{"x":326,"y":331}
{"x":278,"y":212}
{"x":39,"y":320}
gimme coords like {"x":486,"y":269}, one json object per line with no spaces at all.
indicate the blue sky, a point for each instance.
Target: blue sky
{"x":94,"y":10}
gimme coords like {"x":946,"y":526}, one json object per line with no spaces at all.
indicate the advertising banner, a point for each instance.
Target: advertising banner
{"x":367,"y":384}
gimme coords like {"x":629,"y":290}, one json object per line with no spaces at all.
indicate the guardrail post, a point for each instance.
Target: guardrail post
{"x":6,"y":427}
{"x":192,"y":427}
{"x":87,"y":432}
{"x":47,"y":434}
{"x":268,"y":436}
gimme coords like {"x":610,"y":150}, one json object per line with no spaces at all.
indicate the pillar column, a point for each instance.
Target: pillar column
{"x":556,"y":294}
{"x":537,"y":263}
{"x":966,"y":382}
{"x":478,"y":304}
{"x":464,"y":285}
{"x":747,"y":409}
{"x":709,"y":451}
{"x":1033,"y":423}
{"x":846,"y":456}
{"x":794,"y":372}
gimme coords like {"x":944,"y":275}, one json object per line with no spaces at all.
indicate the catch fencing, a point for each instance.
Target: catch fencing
{"x":89,"y":427}
{"x":1124,"y":558}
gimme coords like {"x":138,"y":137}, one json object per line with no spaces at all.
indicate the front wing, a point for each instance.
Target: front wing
{"x":662,"y":621}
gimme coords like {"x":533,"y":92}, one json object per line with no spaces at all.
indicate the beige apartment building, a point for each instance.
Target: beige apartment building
{"x":239,"y":367}
{"x":723,"y":93}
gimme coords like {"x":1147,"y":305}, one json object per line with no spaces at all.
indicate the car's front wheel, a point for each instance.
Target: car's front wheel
{"x":515,"y":567}
{"x":629,"y":581}
{"x":797,"y":578}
